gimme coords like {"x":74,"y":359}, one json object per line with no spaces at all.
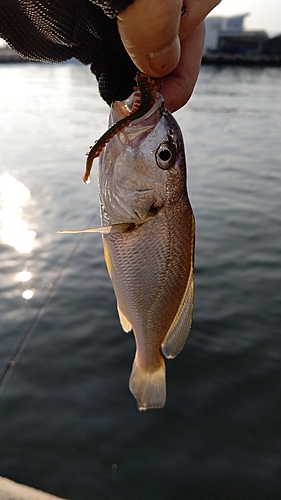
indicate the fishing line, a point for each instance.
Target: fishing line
{"x":30,"y":327}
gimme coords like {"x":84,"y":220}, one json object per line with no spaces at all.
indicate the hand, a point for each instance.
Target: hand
{"x":165,"y":38}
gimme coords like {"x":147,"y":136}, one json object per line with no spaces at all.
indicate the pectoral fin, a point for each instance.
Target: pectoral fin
{"x":180,"y":327}
{"x":114,"y":228}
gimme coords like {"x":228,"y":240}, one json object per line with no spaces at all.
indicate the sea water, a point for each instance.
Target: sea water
{"x":68,"y":423}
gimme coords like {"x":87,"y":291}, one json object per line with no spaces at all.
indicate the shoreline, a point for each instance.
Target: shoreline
{"x":241,"y":60}
{"x":9,"y":56}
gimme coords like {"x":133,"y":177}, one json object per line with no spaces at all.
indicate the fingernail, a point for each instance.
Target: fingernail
{"x":165,"y":61}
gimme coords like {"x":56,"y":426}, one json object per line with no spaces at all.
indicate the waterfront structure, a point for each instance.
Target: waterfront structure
{"x":217,"y":26}
{"x":228,"y":36}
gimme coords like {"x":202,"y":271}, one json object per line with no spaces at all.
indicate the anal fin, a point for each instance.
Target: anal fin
{"x":180,"y":327}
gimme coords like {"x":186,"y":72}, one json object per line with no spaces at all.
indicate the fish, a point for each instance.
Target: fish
{"x":148,"y":231}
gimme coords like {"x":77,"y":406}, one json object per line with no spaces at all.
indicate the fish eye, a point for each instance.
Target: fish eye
{"x":165,"y":155}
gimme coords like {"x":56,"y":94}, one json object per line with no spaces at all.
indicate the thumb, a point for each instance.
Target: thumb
{"x":149,"y":31}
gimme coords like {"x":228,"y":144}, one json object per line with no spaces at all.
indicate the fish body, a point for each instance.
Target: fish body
{"x":150,"y":253}
{"x":148,"y":232}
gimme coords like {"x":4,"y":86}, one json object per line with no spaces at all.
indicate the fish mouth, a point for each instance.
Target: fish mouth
{"x":121,"y":109}
{"x":138,"y":129}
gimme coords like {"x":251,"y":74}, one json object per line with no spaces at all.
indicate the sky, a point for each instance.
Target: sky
{"x":264,"y":14}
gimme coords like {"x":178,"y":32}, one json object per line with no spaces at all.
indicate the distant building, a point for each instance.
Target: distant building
{"x":228,"y":36}
{"x":272,"y":46}
{"x":217,"y":25}
{"x":244,"y":42}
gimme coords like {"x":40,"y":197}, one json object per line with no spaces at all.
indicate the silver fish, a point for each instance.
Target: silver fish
{"x":148,"y":235}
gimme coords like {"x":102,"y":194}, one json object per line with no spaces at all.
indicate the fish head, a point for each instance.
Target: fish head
{"x":142,"y":168}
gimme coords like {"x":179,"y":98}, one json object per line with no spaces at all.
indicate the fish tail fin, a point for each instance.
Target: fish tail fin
{"x":148,"y":385}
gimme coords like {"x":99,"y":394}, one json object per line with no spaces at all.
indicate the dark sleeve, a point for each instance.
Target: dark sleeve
{"x":57,"y":30}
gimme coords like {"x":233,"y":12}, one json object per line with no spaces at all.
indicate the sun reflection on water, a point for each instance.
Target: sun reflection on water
{"x":14,"y":231}
{"x":23,"y":276}
{"x":27,"y":294}
{"x":13,"y":228}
